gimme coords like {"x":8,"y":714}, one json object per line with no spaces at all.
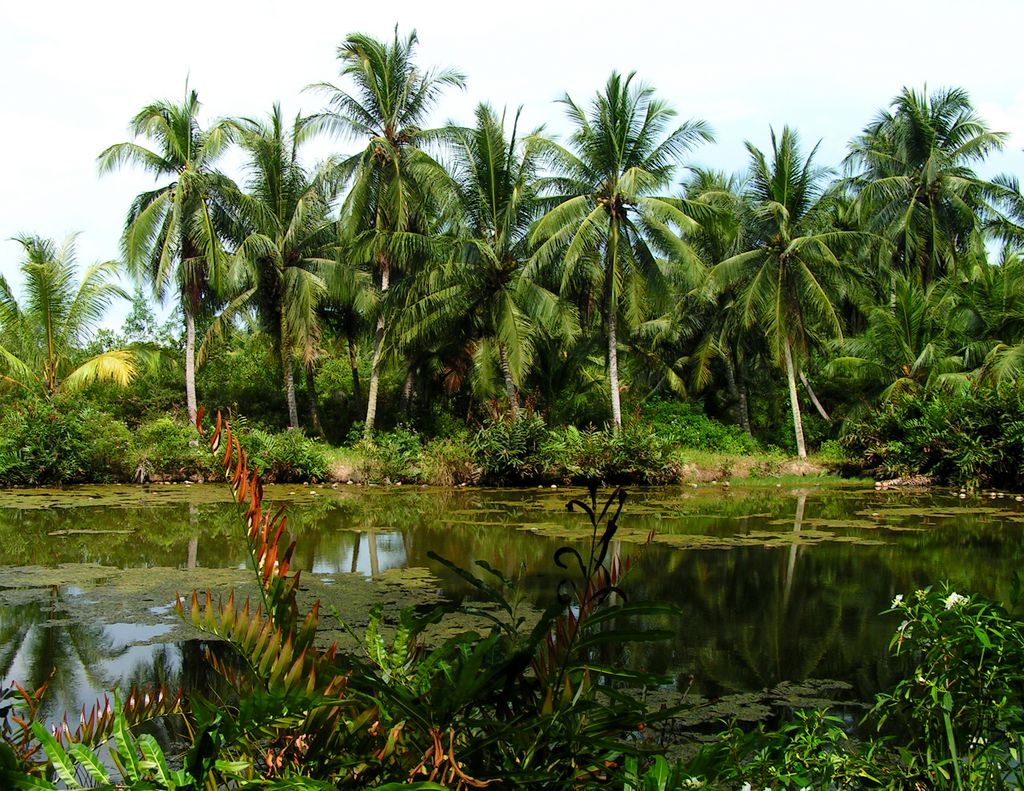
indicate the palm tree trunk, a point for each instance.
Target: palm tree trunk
{"x":613,"y":340}
{"x":613,"y":368}
{"x":798,"y":426}
{"x":814,"y":398}
{"x":289,"y":381}
{"x":190,"y":363}
{"x":510,"y":386}
{"x":738,"y":395}
{"x":353,"y":362}
{"x":406,"y":402}
{"x":378,"y":349}
{"x":314,"y":411}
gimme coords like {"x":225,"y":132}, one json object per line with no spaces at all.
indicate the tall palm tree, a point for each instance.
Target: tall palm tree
{"x":786,"y":280}
{"x":172,"y":233}
{"x":288,"y":239}
{"x":608,"y":220}
{"x":41,"y":338}
{"x":394,"y":183}
{"x":720,"y":237}
{"x":911,"y":171}
{"x":495,"y":177}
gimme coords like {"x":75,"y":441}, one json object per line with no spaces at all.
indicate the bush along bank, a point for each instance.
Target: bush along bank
{"x":969,"y":438}
{"x":64,"y":442}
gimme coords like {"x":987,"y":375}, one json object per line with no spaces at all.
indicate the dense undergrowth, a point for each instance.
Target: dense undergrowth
{"x":523,"y":702}
{"x":969,"y":438}
{"x":69,"y":440}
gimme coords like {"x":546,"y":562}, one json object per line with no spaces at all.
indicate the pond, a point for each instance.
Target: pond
{"x":780,"y":586}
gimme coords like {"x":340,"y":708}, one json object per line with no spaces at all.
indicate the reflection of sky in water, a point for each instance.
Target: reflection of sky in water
{"x":367,"y":553}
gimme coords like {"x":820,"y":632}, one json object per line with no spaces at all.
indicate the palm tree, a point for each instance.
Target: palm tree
{"x":607,"y":218}
{"x":288,"y":240}
{"x":911,"y":171}
{"x":41,"y":339}
{"x":993,"y":306}
{"x":910,"y":343}
{"x":172,"y":233}
{"x":786,"y":280}
{"x":483,"y":282}
{"x":394,"y":183}
{"x":720,"y":237}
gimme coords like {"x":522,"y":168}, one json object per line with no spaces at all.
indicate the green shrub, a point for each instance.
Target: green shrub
{"x":634,"y":454}
{"x":684,"y":425}
{"x":961,"y":710}
{"x":449,"y":461}
{"x":508,"y":450}
{"x":167,"y":449}
{"x":61,"y":441}
{"x":970,"y":438}
{"x":107,"y":453}
{"x":285,"y":456}
{"x":393,"y":456}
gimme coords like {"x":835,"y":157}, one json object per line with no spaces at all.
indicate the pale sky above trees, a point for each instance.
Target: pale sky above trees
{"x":75,"y":73}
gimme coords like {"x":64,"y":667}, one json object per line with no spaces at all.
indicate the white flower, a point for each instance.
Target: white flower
{"x":745,"y":787}
{"x":954,"y":599}
{"x":897,"y":600}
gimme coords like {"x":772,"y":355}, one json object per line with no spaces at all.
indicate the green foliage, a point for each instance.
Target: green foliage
{"x":634,"y":454}
{"x":962,"y":707}
{"x":286,"y":456}
{"x":508,"y":449}
{"x":166,"y":449}
{"x":61,"y":441}
{"x":393,"y":456}
{"x":970,"y":438}
{"x":449,"y":461}
{"x":684,"y":424}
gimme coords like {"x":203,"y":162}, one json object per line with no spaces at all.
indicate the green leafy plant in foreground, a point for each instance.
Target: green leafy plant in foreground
{"x":961,"y":711}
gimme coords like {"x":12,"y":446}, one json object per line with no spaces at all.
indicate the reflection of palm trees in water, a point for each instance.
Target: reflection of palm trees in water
{"x":783,"y":623}
{"x":43,"y":643}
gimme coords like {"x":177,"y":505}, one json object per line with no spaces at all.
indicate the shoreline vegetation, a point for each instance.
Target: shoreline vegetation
{"x":46,"y":443}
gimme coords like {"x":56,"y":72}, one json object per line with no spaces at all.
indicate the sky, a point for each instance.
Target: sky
{"x":72,"y":74}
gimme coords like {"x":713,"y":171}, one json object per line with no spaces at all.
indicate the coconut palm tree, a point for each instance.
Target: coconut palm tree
{"x":911,"y":172}
{"x":495,"y":177}
{"x":288,"y":239}
{"x":394,"y":183}
{"x":608,"y":219}
{"x":993,"y":306}
{"x":912,"y":342}
{"x":42,"y":337}
{"x":172,"y":234}
{"x":786,"y":281}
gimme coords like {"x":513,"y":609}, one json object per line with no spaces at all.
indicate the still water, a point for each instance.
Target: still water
{"x":777,"y":584}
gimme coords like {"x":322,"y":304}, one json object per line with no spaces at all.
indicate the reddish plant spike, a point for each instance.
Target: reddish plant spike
{"x":255,"y":488}
{"x":225,"y":460}
{"x":280,"y":525}
{"x":199,"y":420}
{"x":215,"y":437}
{"x":268,"y":562}
{"x":243,"y":488}
{"x":240,"y":468}
{"x":288,"y":553}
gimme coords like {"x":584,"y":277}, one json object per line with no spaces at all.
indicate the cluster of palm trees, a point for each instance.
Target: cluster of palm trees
{"x":503,"y":263}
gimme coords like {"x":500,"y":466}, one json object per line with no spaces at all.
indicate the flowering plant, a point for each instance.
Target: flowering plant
{"x":960,"y":710}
